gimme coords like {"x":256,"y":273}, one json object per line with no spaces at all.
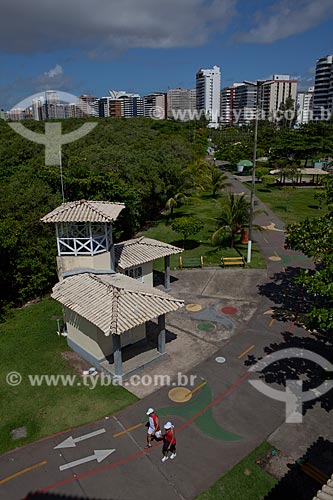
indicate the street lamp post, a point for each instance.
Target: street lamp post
{"x":253,"y":180}
{"x":258,"y":84}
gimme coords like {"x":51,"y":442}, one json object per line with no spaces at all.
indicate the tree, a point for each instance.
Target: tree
{"x":268,"y":180}
{"x":235,"y":214}
{"x":286,"y":115}
{"x":135,"y":161}
{"x":217,"y":180}
{"x":314,"y":237}
{"x":288,"y":192}
{"x":175,"y":201}
{"x":187,"y":226}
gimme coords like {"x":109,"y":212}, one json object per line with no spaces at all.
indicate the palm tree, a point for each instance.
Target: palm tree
{"x":218,"y":180}
{"x":190,"y":180}
{"x":177,"y":199}
{"x":235,"y":215}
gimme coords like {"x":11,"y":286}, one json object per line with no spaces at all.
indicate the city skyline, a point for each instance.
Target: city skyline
{"x":143,"y":47}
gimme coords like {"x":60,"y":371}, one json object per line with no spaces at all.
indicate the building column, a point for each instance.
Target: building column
{"x":161,"y":334}
{"x":118,"y":362}
{"x":167,"y":272}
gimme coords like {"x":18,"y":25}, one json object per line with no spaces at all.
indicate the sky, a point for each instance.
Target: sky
{"x":91,"y":46}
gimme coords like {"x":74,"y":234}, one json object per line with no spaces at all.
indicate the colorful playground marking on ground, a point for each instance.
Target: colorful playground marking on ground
{"x":246,"y":351}
{"x":125,"y":431}
{"x":229,"y":310}
{"x":213,"y":315}
{"x":179,"y":394}
{"x":272,"y":227}
{"x":199,"y":411}
{"x":193,"y":307}
{"x":220,"y":359}
{"x":206,"y":326}
{"x":183,"y":394}
{"x":275,"y":258}
{"x":23,"y":471}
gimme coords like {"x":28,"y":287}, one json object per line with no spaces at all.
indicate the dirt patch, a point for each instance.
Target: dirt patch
{"x":75,"y":361}
{"x":33,"y":301}
{"x":276,"y":463}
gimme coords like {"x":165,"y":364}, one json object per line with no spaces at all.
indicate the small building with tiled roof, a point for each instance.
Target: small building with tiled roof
{"x":105,"y":310}
{"x":85,"y":211}
{"x":108,"y":311}
{"x":135,"y":258}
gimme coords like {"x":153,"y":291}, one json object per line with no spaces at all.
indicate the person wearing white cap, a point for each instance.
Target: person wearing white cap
{"x":169,"y":442}
{"x":154,"y":429}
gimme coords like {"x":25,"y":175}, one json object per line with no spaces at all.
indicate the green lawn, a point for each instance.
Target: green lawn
{"x":207,"y":209}
{"x":293,"y":205}
{"x":29,"y":344}
{"x":236,"y":484}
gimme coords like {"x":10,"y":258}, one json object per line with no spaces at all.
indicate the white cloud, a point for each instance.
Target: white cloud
{"x":101,"y":25}
{"x":21,"y":88}
{"x":287,"y":18}
{"x":56,"y":71}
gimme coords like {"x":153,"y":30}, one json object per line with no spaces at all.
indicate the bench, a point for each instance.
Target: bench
{"x":190,"y":262}
{"x":233,"y":261}
{"x":312,"y":471}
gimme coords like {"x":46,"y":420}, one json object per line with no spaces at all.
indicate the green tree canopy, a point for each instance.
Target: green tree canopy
{"x":314,"y":237}
{"x":187,"y":226}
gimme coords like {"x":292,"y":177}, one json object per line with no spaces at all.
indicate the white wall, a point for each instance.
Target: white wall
{"x":92,"y":340}
{"x":100,"y":261}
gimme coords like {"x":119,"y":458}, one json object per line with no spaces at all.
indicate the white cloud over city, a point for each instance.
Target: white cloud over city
{"x":286,"y":18}
{"x":45,"y":25}
{"x":53,"y":78}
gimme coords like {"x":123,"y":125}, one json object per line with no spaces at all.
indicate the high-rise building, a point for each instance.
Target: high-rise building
{"x":323,"y":88}
{"x":121,"y":104}
{"x":155,"y":105}
{"x":244,"y":104}
{"x":227,"y":114}
{"x":38,"y":108}
{"x":109,"y":107}
{"x":131,"y":105}
{"x":274,"y":94}
{"x":305,"y":106}
{"x":181,"y":104}
{"x":208,"y":88}
{"x":51,"y":105}
{"x":16,"y":114}
{"x":86,"y":106}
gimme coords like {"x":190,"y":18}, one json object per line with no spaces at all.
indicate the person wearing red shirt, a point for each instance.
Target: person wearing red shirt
{"x":169,"y":442}
{"x":154,"y":429}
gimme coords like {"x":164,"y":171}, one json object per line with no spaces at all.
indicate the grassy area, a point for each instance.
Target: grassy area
{"x":252,"y":485}
{"x":291,"y":205}
{"x":29,"y":344}
{"x":207,"y":209}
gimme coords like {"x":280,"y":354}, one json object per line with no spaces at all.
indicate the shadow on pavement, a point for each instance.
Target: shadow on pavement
{"x":303,"y":369}
{"x":292,"y":303}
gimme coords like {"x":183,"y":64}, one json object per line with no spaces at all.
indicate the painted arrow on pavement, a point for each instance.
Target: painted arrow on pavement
{"x":71,"y":442}
{"x":98,"y":455}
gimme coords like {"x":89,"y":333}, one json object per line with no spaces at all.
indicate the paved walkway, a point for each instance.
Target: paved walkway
{"x":219,"y":419}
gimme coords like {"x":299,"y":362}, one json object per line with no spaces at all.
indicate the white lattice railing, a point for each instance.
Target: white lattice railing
{"x":82,"y":246}
{"x":83,"y":239}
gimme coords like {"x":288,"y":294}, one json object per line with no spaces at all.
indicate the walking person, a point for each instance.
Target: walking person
{"x":154,"y":430}
{"x":169,"y":442}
